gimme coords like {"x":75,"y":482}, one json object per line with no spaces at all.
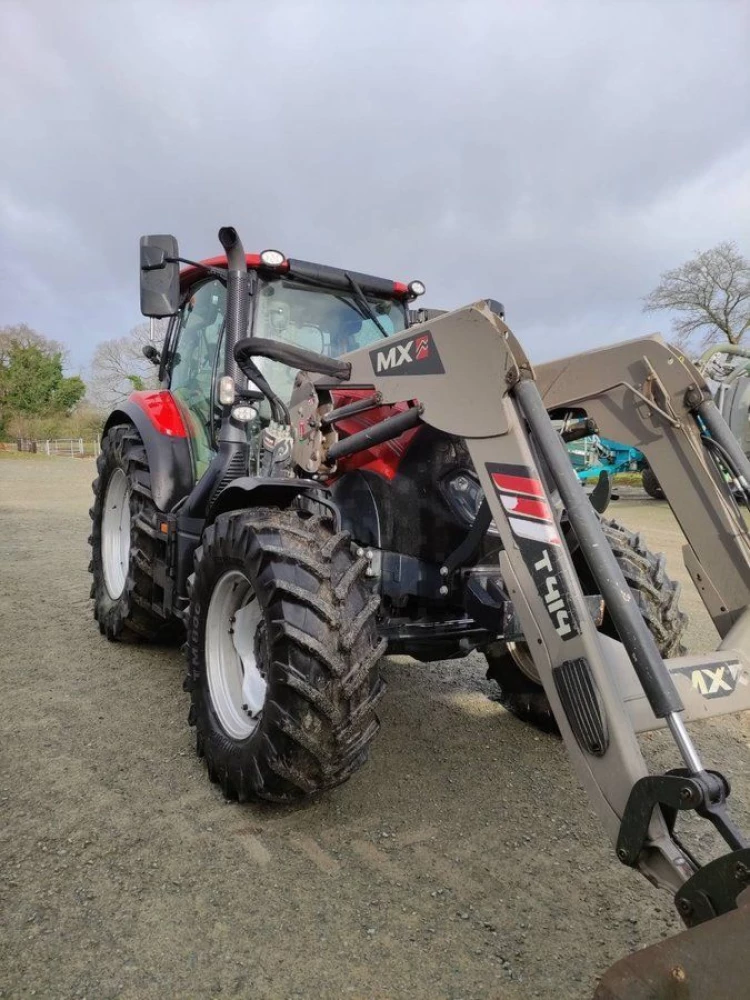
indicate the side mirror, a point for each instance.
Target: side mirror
{"x":152,"y":258}
{"x":160,"y":276}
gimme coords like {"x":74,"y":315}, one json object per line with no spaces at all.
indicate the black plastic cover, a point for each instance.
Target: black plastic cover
{"x":578,"y":693}
{"x":336,"y":277}
{"x":295,"y":357}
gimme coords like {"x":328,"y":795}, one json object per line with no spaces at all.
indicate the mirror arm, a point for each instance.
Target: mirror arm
{"x":216,"y":271}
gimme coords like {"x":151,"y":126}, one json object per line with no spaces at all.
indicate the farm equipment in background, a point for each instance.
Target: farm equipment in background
{"x":319,"y":481}
{"x":593,"y":455}
{"x":601,"y":459}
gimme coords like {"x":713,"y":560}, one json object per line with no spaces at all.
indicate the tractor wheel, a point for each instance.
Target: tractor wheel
{"x":282,"y":655}
{"x":121,"y":552}
{"x":651,"y":484}
{"x":657,"y":596}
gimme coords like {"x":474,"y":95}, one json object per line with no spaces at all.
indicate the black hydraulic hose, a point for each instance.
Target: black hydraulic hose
{"x":237,"y":293}
{"x":719,"y":430}
{"x":631,"y":628}
{"x":351,"y":409}
{"x":721,"y":458}
{"x":292,"y":356}
{"x":386,"y":430}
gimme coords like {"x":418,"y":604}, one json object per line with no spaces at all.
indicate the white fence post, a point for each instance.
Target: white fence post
{"x":80,"y":445}
{"x":48,"y":451}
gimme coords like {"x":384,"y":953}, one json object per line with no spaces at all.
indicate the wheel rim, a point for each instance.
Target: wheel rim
{"x":523,"y":659}
{"x":235,"y":677}
{"x":116,"y":533}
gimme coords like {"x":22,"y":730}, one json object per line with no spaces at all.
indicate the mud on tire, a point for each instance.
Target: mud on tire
{"x":655,"y":593}
{"x":122,"y":449}
{"x":318,"y":649}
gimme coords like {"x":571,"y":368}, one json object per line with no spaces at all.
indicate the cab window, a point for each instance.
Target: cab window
{"x":195,"y":358}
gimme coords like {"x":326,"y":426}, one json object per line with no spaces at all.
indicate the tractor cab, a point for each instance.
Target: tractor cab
{"x":322,"y":309}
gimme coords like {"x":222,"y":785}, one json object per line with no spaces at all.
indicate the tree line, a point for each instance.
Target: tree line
{"x":38,"y":400}
{"x":708,"y":298}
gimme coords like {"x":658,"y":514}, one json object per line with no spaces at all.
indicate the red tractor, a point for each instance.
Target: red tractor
{"x":325,"y":475}
{"x":280,"y":711}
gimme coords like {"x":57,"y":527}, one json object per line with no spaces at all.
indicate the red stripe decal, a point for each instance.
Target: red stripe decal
{"x":530,"y":508}
{"x":518,"y":484}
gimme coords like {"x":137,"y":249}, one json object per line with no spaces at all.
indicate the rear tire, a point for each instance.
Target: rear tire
{"x":655,"y":593}
{"x":651,"y":484}
{"x":307,"y":680}
{"x":121,"y":552}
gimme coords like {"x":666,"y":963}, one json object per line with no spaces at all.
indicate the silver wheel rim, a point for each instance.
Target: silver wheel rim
{"x":116,"y":533}
{"x":522,"y":658}
{"x":235,"y":680}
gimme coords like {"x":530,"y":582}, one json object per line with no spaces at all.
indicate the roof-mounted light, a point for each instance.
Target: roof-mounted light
{"x":416,"y":288}
{"x":272,"y":258}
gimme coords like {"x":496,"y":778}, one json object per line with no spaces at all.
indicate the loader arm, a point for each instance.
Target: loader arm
{"x":468,"y":376}
{"x":646,"y":394}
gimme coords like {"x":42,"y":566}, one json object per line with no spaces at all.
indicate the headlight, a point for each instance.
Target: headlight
{"x":272,"y":258}
{"x":244,"y":414}
{"x":464,"y":495}
{"x":416,"y":288}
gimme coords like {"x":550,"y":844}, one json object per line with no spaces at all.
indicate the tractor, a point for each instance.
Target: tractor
{"x":326,"y":475}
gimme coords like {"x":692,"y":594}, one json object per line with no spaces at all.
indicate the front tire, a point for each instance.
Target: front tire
{"x":657,"y":596}
{"x":282,"y":655}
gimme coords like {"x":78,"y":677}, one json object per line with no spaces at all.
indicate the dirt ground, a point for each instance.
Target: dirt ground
{"x":462,"y":862}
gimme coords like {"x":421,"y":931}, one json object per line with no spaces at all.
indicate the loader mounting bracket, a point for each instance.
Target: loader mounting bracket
{"x":677,"y":790}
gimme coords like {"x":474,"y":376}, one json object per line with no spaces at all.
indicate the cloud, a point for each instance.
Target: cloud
{"x":555,"y":156}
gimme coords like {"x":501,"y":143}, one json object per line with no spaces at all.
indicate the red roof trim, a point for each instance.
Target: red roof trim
{"x":253,"y":262}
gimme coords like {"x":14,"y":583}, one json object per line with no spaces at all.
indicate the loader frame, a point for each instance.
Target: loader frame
{"x":466,"y":375}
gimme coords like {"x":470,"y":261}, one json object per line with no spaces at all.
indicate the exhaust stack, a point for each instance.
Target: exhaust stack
{"x":237,"y":292}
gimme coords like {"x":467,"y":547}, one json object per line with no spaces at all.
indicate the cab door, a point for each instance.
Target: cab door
{"x":196,"y":363}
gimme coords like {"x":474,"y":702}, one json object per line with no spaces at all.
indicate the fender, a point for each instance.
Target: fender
{"x":259,"y":491}
{"x":157,"y":419}
{"x":359,"y":509}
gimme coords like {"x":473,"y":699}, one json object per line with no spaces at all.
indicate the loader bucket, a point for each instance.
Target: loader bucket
{"x":708,"y":962}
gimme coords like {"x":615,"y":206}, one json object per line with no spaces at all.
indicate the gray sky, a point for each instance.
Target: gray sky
{"x":554,"y":155}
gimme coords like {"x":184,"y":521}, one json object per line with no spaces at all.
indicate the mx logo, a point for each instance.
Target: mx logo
{"x":417,"y":356}
{"x":714,"y":682}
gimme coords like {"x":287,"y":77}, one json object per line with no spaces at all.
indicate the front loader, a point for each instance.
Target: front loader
{"x":304,"y":510}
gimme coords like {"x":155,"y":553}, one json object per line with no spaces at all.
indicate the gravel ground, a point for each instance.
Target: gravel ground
{"x":462,"y":862}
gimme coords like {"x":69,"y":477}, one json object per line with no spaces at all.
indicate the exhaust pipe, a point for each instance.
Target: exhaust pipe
{"x":231,"y":459}
{"x":237,"y":292}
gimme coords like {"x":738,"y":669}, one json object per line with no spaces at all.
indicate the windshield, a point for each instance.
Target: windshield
{"x":322,"y":320}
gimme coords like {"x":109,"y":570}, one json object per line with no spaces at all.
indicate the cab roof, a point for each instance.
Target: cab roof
{"x":335,"y":277}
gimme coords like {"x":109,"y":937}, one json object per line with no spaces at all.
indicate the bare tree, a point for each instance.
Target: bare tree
{"x":22,"y":335}
{"x":710,"y":294}
{"x":118,"y":366}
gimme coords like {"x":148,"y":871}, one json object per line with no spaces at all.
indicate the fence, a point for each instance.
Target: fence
{"x":65,"y":447}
